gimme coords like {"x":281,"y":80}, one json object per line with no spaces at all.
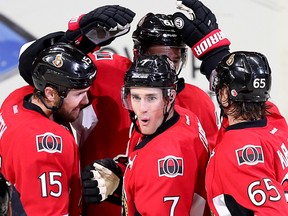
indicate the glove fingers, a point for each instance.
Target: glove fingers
{"x":193,"y":4}
{"x":91,"y":191}
{"x":109,"y":16}
{"x":86,"y":175}
{"x":119,"y":17}
{"x":128,"y":12}
{"x":129,"y":15}
{"x":109,"y":164}
{"x":90,"y":184}
{"x":93,"y":199}
{"x":199,"y":9}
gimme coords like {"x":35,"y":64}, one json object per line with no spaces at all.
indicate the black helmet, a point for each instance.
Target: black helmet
{"x":157,"y":29}
{"x":151,"y":71}
{"x":246,"y":74}
{"x":64,"y":67}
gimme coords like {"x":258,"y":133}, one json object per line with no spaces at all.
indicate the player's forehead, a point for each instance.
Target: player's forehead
{"x":78,"y":91}
{"x":145,"y":91}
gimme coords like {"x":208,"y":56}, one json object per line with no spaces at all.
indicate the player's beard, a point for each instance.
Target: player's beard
{"x":63,"y":116}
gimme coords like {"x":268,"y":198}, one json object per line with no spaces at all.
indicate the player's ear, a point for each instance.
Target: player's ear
{"x":224,"y":96}
{"x":51,"y":94}
{"x":172,"y":95}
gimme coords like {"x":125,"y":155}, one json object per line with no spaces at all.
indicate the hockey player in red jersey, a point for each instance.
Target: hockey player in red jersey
{"x":150,"y":37}
{"x":262,"y":187}
{"x":155,"y":34}
{"x":112,"y":118}
{"x":256,"y":161}
{"x":167,"y":151}
{"x":107,"y":111}
{"x":201,"y":30}
{"x":38,"y":155}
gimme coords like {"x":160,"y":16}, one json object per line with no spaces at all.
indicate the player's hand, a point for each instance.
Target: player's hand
{"x":100,"y":179}
{"x":201,"y":33}
{"x":101,"y":25}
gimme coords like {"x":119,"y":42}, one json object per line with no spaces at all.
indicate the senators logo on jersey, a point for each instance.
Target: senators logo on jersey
{"x":250,"y":155}
{"x":170,"y":166}
{"x":49,"y":142}
{"x":103,"y":55}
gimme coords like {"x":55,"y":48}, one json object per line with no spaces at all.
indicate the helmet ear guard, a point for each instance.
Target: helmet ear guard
{"x":170,"y":95}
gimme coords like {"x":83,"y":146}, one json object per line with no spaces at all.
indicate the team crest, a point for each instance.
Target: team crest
{"x":104,"y":55}
{"x":250,"y":155}
{"x":48,"y":142}
{"x":170,"y":166}
{"x":230,"y":60}
{"x":58,"y":62}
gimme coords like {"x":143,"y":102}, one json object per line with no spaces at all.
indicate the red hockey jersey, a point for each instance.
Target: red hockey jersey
{"x":110,"y":136}
{"x":274,"y":117}
{"x":111,"y":133}
{"x":196,"y":100}
{"x":40,"y":157}
{"x":247,"y":171}
{"x":165,"y":174}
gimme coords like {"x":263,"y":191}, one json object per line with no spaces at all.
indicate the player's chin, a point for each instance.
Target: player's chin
{"x":147,"y":130}
{"x":74,"y":115}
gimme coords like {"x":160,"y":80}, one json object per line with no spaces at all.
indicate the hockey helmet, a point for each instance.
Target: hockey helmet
{"x":63,"y":67}
{"x":158,"y":29}
{"x":149,"y":71}
{"x":246,"y":74}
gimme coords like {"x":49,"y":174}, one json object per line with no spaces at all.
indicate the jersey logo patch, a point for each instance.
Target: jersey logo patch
{"x":48,"y":142}
{"x":103,"y":55}
{"x":250,"y":155}
{"x":170,"y":166}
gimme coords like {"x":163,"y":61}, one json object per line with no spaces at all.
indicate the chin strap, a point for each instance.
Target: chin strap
{"x":133,"y":118}
{"x":166,"y":113}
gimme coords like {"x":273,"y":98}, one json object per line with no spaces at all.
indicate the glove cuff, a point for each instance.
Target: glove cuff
{"x":210,"y":42}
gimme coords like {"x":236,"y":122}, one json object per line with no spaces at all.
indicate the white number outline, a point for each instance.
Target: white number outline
{"x":259,"y":83}
{"x":252,"y":193}
{"x":174,"y":200}
{"x":52,"y":181}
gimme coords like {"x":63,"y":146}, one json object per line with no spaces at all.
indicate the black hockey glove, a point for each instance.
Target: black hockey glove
{"x":100,"y":26}
{"x":201,"y":32}
{"x":100,"y":180}
{"x":5,"y":196}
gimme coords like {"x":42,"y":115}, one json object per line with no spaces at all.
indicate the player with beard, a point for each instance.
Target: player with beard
{"x":155,"y":34}
{"x":39,"y":156}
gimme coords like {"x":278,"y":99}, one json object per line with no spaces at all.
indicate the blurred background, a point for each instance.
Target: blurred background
{"x":252,"y":25}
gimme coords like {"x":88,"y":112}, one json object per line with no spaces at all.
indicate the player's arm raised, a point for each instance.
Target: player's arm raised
{"x":201,"y":33}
